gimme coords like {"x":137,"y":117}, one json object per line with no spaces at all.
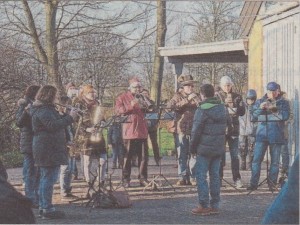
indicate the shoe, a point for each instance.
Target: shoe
{"x":75,"y":177}
{"x":201,"y":211}
{"x":193,"y":182}
{"x":251,"y":188}
{"x":181,"y":182}
{"x":40,"y":215}
{"x":238,"y":183}
{"x":114,"y":166}
{"x":53,"y":215}
{"x":272,"y":187}
{"x":68,"y":196}
{"x":188,"y":182}
{"x":214,"y":211}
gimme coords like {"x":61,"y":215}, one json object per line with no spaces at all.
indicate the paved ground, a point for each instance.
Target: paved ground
{"x":165,"y":206}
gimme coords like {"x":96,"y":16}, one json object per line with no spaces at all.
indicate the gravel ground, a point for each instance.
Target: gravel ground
{"x":165,"y":206}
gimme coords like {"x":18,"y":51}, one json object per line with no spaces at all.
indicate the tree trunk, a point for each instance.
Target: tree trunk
{"x":52,"y":66}
{"x":48,"y":56}
{"x":158,"y":63}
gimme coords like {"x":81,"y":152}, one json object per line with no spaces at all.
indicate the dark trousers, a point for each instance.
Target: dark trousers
{"x":155,"y":147}
{"x":140,"y":148}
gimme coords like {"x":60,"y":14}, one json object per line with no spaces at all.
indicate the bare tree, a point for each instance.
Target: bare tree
{"x":158,"y":64}
{"x":214,"y":21}
{"x":50,"y":23}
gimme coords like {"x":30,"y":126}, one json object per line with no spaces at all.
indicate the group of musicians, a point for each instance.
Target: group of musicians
{"x":54,"y":129}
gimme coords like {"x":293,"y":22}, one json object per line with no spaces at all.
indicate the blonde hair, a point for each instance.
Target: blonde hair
{"x":47,"y":94}
{"x":85,"y":89}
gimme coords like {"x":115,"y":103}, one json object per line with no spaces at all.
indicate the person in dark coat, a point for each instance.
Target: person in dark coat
{"x":236,"y":108}
{"x":208,"y":145}
{"x":14,"y":207}
{"x":23,"y":121}
{"x":49,"y":145}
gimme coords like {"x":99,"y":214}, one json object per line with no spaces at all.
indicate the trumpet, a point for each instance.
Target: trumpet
{"x":271,"y":105}
{"x":69,"y":107}
{"x":145,"y":102}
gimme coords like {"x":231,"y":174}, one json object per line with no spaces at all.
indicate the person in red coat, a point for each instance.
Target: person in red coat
{"x":134,"y":132}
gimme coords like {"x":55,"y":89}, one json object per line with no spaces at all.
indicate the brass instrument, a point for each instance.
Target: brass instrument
{"x":69,"y":107}
{"x":197,"y":100}
{"x":97,"y":121}
{"x":144,"y":102}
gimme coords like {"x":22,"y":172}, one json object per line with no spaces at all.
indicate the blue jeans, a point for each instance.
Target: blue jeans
{"x":66,"y":172}
{"x":203,"y":166}
{"x":48,"y":178}
{"x":118,"y":152}
{"x":183,"y":141}
{"x":285,"y":157}
{"x":31,"y":178}
{"x":259,"y":153}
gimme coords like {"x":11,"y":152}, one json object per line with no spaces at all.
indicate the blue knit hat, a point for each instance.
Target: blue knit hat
{"x":272,"y":86}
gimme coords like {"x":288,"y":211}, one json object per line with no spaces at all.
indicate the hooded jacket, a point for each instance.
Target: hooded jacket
{"x":49,"y":140}
{"x":209,"y":127}
{"x":23,"y":121}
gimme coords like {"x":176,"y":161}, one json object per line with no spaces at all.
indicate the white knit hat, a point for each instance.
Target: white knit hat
{"x":225,"y":80}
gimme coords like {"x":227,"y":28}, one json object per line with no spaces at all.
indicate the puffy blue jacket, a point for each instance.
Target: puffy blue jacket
{"x":209,"y":127}
{"x":271,"y":131}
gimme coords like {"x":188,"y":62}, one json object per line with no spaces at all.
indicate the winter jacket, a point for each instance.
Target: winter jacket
{"x":247,"y":126}
{"x":209,"y":127}
{"x":184,"y":110}
{"x":115,"y":134}
{"x":49,"y":140}
{"x":235,"y":108}
{"x":92,"y":117}
{"x":271,"y":131}
{"x":136,"y":126}
{"x":23,"y":121}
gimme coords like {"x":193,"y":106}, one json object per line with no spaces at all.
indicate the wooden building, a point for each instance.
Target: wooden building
{"x":270,"y":44}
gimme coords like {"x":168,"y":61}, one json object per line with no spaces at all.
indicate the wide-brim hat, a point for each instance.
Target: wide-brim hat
{"x":185,"y":79}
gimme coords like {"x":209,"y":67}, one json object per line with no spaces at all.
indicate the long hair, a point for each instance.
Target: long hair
{"x":47,"y":94}
{"x":31,"y":91}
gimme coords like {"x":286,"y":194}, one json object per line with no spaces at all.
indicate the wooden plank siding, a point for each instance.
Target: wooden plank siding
{"x":281,"y":57}
{"x":247,"y":17}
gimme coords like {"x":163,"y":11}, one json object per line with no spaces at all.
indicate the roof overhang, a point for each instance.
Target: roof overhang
{"x":215,"y":52}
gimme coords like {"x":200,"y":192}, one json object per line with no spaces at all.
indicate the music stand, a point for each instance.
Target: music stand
{"x":159,"y":177}
{"x":101,"y":192}
{"x":267,"y":117}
